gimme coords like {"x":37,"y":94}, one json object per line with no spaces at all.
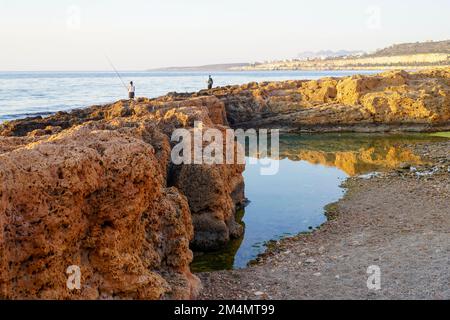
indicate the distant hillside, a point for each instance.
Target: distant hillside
{"x":399,"y":56}
{"x":414,"y":48}
{"x":210,"y":67}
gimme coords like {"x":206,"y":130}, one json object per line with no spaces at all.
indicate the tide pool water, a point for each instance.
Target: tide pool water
{"x":285,"y":204}
{"x":312,"y":168}
{"x":25,"y":94}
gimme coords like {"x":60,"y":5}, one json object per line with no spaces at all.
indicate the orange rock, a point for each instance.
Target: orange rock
{"x":94,"y":197}
{"x":391,"y":100}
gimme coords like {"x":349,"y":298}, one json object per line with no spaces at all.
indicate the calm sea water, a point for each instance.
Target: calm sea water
{"x":25,"y":94}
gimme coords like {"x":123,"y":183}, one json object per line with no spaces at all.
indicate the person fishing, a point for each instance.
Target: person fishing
{"x":131,"y":90}
{"x":210,"y":83}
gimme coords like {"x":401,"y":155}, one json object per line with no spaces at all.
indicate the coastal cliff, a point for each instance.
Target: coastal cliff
{"x":391,"y":101}
{"x":96,"y":187}
{"x":93,"y":196}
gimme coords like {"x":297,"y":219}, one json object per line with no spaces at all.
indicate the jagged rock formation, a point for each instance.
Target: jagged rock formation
{"x":390,"y":101}
{"x":95,"y":188}
{"x":214,"y":193}
{"x":94,"y":196}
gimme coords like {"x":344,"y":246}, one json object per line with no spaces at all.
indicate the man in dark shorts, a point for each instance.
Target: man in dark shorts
{"x":210,"y":83}
{"x":131,"y":91}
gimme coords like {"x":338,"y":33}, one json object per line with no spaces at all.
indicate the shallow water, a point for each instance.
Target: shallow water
{"x":25,"y":94}
{"x":312,"y":168}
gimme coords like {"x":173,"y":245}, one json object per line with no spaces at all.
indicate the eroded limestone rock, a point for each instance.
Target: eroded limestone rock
{"x":90,"y":188}
{"x":395,"y":100}
{"x":94,"y":196}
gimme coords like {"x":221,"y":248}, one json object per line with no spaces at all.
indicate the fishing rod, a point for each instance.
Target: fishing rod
{"x":117,"y":72}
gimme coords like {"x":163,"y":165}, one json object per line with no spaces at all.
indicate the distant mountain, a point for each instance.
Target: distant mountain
{"x":327,"y":54}
{"x":414,"y":48}
{"x":210,"y":67}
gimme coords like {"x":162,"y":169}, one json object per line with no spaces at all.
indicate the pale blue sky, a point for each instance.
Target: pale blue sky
{"x":140,"y":34}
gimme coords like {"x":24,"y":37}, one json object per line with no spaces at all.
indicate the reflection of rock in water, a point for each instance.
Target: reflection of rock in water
{"x":353,"y":154}
{"x":358,"y":162}
{"x":219,"y":260}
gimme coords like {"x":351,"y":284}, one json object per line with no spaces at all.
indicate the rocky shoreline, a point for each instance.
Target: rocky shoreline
{"x":395,"y":101}
{"x":96,"y":187}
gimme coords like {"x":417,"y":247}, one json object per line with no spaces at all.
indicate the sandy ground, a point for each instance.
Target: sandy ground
{"x":398,"y":221}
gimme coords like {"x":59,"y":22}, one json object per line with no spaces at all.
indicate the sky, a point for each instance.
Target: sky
{"x":55,"y":35}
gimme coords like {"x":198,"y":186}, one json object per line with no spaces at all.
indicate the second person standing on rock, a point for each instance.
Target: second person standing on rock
{"x":210,"y":83}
